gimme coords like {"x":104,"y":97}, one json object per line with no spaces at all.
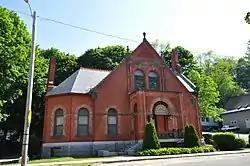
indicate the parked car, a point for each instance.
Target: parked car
{"x":229,"y":128}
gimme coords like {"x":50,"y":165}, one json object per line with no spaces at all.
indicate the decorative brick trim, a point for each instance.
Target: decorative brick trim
{"x":165,"y":100}
{"x":90,"y":118}
{"x":52,"y":119}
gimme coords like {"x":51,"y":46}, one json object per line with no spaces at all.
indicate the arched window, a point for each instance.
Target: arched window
{"x":83,"y":122}
{"x":59,"y":122}
{"x":112,"y":122}
{"x":139,"y":80}
{"x":153,"y":81}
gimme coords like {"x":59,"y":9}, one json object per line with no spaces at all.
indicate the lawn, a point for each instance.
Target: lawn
{"x":64,"y":159}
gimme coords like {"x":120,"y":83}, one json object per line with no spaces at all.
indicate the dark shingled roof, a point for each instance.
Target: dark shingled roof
{"x":83,"y":80}
{"x":238,"y":102}
{"x":80,"y":82}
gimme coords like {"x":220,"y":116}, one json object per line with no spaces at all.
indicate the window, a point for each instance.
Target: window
{"x":153,"y":81}
{"x":139,"y":80}
{"x":83,"y":122}
{"x":59,"y":123}
{"x":112,"y":122}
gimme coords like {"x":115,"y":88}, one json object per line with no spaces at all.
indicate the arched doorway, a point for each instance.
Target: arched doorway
{"x":161,"y":114}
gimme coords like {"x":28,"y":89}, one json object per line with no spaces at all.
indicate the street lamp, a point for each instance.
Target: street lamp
{"x":29,"y":91}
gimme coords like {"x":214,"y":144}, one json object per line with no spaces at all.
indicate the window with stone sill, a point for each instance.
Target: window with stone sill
{"x":59,"y":123}
{"x":139,"y":80}
{"x":153,"y":81}
{"x":83,"y":122}
{"x":112,"y":122}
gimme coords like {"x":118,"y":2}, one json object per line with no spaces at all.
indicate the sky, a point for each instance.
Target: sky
{"x":197,"y":25}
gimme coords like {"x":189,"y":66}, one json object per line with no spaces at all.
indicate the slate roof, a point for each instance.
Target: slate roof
{"x":80,"y":82}
{"x":238,"y":102}
{"x":186,"y":82}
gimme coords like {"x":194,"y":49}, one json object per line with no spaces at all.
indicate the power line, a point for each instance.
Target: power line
{"x":97,"y":32}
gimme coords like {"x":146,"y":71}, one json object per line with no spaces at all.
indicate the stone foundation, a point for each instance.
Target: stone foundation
{"x":84,"y":149}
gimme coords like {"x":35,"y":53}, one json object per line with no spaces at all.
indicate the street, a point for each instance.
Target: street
{"x":228,"y":160}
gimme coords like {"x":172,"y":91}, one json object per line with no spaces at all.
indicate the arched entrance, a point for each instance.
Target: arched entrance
{"x":161,"y":116}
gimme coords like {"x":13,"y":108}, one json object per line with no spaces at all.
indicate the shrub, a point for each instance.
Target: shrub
{"x":174,"y":151}
{"x":224,"y":141}
{"x":191,"y":138}
{"x":151,"y":140}
{"x":240,"y":143}
{"x":228,"y":141}
{"x":249,"y":139}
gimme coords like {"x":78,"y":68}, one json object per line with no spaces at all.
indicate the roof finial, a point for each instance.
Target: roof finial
{"x":144,"y":35}
{"x":127,"y":49}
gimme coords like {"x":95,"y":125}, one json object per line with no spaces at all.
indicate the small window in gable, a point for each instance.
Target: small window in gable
{"x":59,"y":123}
{"x":153,"y":80}
{"x":139,"y":80}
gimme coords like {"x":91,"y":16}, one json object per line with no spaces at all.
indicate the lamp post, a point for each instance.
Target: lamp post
{"x":29,"y":91}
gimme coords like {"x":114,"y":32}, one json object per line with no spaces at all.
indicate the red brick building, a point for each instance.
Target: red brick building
{"x":95,"y":110}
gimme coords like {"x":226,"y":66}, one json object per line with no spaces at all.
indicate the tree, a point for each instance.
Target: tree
{"x":65,"y":63}
{"x":14,"y":49}
{"x":222,"y":71}
{"x":186,"y":59}
{"x":106,"y":58}
{"x":243,"y":72}
{"x":150,"y":140}
{"x":15,"y":44}
{"x":208,"y":94}
{"x":191,"y":138}
{"x":247,"y":18}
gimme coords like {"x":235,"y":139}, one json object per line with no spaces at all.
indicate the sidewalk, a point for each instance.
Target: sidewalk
{"x":139,"y":158}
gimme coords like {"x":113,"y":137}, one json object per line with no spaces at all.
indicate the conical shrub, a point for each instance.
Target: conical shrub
{"x":151,"y":140}
{"x":191,"y":138}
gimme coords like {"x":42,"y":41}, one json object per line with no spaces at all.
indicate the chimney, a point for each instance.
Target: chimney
{"x":51,"y":74}
{"x":174,"y":60}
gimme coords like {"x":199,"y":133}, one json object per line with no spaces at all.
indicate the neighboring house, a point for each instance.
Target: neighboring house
{"x":208,"y":124}
{"x":238,"y":113}
{"x":95,"y":110}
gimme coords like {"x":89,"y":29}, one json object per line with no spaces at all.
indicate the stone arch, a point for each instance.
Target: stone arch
{"x":163,"y":100}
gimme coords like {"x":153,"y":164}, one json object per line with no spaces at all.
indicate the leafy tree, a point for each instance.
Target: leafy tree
{"x":243,"y":72}
{"x":14,"y":49}
{"x":151,"y":140}
{"x":65,"y":63}
{"x":15,"y":44}
{"x":191,"y":138}
{"x":106,"y":58}
{"x":208,"y":94}
{"x":247,"y":18}
{"x":186,"y":59}
{"x":222,"y":71}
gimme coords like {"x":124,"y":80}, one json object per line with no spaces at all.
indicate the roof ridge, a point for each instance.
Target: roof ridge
{"x":77,"y":75}
{"x":95,"y":69}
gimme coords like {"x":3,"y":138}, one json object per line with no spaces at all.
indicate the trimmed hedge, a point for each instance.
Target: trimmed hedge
{"x":191,"y":138}
{"x":150,"y":140}
{"x":228,"y":141}
{"x":174,"y":151}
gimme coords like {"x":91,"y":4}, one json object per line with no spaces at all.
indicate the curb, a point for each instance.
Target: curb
{"x":172,"y":157}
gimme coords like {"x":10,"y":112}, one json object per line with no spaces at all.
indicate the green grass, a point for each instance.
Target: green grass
{"x":62,"y":159}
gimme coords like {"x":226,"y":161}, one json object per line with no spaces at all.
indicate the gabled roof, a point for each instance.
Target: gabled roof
{"x":80,"y":82}
{"x":238,"y":102}
{"x":83,"y":80}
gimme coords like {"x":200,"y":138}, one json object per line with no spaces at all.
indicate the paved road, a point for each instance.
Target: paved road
{"x":227,"y":160}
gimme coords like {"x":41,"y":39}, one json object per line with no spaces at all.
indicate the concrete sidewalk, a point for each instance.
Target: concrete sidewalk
{"x":138,"y":158}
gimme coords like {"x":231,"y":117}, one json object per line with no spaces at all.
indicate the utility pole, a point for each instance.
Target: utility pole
{"x":27,"y":121}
